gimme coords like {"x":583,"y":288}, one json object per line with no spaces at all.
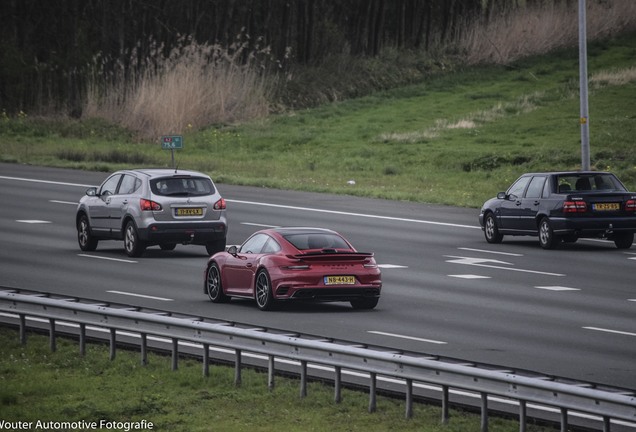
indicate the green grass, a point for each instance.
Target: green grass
{"x":40,"y":385}
{"x":455,"y":139}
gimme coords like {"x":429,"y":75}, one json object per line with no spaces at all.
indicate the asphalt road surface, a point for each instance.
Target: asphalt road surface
{"x":568,"y":312}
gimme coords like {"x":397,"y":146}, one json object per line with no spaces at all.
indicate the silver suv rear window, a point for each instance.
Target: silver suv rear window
{"x":182,"y":186}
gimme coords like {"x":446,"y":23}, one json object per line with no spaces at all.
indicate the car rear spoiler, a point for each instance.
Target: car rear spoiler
{"x":331,"y":254}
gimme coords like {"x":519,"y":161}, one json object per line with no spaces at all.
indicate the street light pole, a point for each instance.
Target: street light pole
{"x":584,"y":118}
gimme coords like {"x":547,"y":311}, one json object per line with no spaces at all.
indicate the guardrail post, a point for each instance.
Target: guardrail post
{"x":175,"y":354}
{"x":522,"y":416}
{"x":606,"y":424}
{"x":113,"y":343}
{"x":564,"y":420}
{"x":82,"y":339}
{"x":303,"y":378}
{"x":372,"y":392}
{"x":206,"y":360}
{"x":270,"y":373}
{"x":409,"y":399}
{"x":237,"y":368}
{"x":23,"y":336}
{"x":144,"y":349}
{"x":445,"y":405}
{"x":337,"y":382}
{"x":52,"y":342}
{"x":484,"y":412}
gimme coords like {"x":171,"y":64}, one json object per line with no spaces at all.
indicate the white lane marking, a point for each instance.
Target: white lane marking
{"x":44,"y":181}
{"x":352,"y":214}
{"x":392,"y":266}
{"x":108,"y":258}
{"x":259,"y":225}
{"x":140,"y":295}
{"x":470,"y":276}
{"x":479,"y":262}
{"x":489,"y":251}
{"x":407,"y":337}
{"x":610,"y":331}
{"x":557,"y":288}
{"x":63,"y":202}
{"x":473,"y":261}
{"x":634,"y":300}
{"x":33,"y":221}
{"x":283,"y":206}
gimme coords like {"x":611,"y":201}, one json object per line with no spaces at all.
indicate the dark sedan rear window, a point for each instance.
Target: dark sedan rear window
{"x":182,"y":186}
{"x":588,"y":182}
{"x":317,"y":241}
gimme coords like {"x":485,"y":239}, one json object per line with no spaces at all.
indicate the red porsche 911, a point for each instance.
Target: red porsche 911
{"x":281,"y":264}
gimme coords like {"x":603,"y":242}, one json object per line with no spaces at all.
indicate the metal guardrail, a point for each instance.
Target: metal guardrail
{"x":609,"y":405}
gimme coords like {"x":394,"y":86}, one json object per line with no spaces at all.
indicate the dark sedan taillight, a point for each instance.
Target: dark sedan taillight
{"x":630,"y":205}
{"x":220,"y":204}
{"x":147,"y":205}
{"x":574,"y":207}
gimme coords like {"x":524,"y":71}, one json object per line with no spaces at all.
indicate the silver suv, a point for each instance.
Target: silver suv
{"x":146,"y":207}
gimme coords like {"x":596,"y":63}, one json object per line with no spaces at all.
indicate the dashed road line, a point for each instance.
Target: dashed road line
{"x":108,"y":258}
{"x":480,"y":262}
{"x":437,"y":342}
{"x":604,"y":330}
{"x":490,"y":252}
{"x":470,"y":276}
{"x":557,"y":288}
{"x":140,"y":295}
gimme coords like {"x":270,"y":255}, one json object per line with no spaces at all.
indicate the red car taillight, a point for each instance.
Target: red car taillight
{"x":574,"y":207}
{"x":220,"y":204}
{"x":630,"y":205}
{"x":147,"y":205}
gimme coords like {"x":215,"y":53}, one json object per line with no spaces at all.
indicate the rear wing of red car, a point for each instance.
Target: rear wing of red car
{"x":333,"y":254}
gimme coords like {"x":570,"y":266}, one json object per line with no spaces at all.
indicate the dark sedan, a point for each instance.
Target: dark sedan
{"x":562,"y":206}
{"x":283,"y":264}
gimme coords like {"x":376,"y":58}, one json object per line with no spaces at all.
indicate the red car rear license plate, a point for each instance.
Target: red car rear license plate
{"x":606,"y":206}
{"x":340,"y":280}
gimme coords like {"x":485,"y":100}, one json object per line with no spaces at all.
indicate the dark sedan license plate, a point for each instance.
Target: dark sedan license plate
{"x":340,"y":280}
{"x":198,"y":211}
{"x":606,"y":206}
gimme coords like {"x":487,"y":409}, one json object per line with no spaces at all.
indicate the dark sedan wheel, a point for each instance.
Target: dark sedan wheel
{"x":364,"y":303}
{"x":547,"y":239}
{"x":86,"y":241}
{"x":491,"y":231}
{"x":133,"y":245}
{"x":213,"y":284}
{"x":263,"y":291}
{"x":624,"y":240}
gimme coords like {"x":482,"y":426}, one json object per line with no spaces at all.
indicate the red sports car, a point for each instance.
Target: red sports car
{"x":283,"y":264}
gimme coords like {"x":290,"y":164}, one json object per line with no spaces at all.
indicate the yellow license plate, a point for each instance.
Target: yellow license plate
{"x":190,"y":211}
{"x":340,"y":280}
{"x":606,"y":206}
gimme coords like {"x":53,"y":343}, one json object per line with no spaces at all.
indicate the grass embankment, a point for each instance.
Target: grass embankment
{"x":40,"y":385}
{"x":456,"y":139}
